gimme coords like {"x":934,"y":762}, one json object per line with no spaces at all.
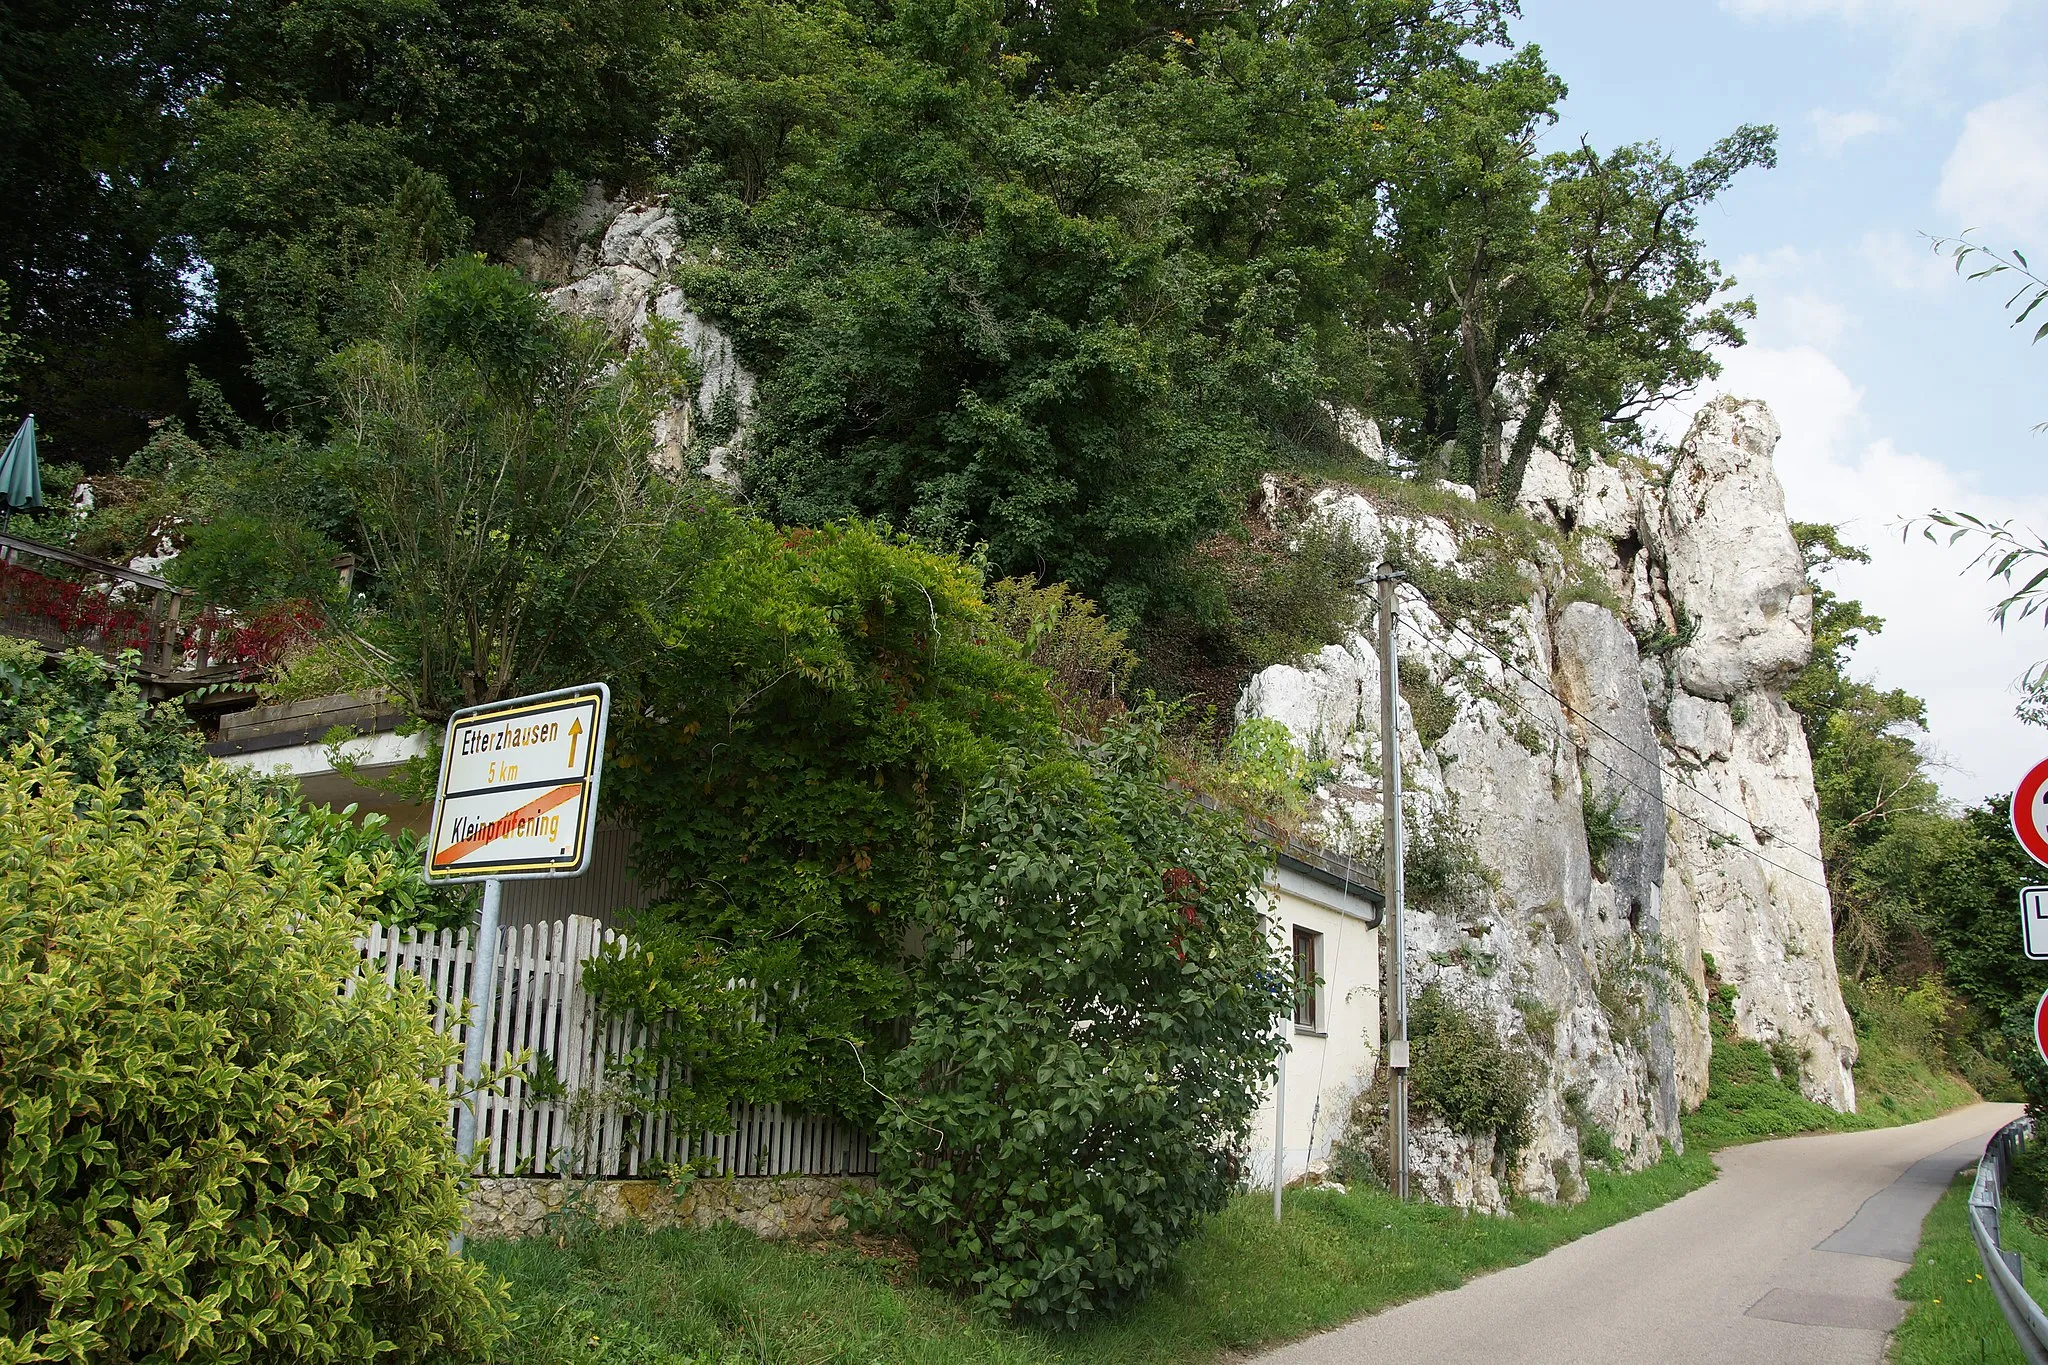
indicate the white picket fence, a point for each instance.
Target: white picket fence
{"x":584,"y":1125}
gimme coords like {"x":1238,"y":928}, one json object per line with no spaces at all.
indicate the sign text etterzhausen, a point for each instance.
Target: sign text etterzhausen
{"x":517,"y":799}
{"x":518,"y":791}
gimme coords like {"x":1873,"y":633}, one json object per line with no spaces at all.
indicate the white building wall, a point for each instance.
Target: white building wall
{"x":1328,"y":1067}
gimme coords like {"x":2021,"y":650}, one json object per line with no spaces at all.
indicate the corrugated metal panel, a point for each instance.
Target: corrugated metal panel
{"x":598,"y":894}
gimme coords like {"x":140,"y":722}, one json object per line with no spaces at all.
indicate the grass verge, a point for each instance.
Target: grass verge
{"x":2021,"y":1232}
{"x":720,"y":1296}
{"x":1753,"y":1091}
{"x":712,"y":1297}
{"x":1953,"y":1317}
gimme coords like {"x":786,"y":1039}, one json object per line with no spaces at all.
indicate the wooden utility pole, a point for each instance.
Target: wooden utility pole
{"x":1395,"y":980}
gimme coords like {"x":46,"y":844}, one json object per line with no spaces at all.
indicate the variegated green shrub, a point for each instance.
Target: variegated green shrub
{"x":212,"y":1148}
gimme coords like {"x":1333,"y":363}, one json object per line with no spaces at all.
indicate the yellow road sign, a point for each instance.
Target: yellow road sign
{"x":518,"y":790}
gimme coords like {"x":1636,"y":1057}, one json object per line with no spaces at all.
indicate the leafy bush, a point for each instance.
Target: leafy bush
{"x":802,"y":748}
{"x":81,"y":700}
{"x":1262,"y":760}
{"x":207,"y":1149}
{"x":1596,"y":1140}
{"x":1634,"y":976}
{"x":1539,"y":1018}
{"x":1067,"y":635}
{"x":249,"y":562}
{"x":2027,"y":1183}
{"x":80,"y":703}
{"x":1096,"y":1010}
{"x":1605,"y":829}
{"x":398,"y":893}
{"x":1440,"y":858}
{"x":1466,"y":1075}
{"x":504,"y":457}
{"x":1910,"y":1045}
{"x":1433,"y":709}
{"x":1265,"y":592}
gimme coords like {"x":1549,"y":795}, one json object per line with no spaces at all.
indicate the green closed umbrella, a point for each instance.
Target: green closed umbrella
{"x":21,"y":474}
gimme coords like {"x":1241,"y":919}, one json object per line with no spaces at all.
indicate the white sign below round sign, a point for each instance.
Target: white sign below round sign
{"x":2030,"y":812}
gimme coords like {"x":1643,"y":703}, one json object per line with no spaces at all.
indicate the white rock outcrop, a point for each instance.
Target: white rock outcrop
{"x":1631,"y":792}
{"x":610,"y":261}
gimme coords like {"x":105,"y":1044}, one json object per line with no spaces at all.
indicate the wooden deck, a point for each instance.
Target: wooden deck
{"x":63,"y":600}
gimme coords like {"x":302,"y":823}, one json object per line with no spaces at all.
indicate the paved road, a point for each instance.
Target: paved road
{"x":1789,"y":1257}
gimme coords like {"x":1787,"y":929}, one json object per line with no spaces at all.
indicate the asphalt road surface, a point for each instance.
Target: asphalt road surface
{"x":1789,"y":1256}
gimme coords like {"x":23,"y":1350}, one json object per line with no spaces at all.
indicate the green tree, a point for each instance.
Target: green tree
{"x":1096,"y":1009}
{"x":1973,"y":890}
{"x":1882,"y":820}
{"x":1455,"y":262}
{"x":796,"y":753}
{"x":88,"y":131}
{"x":1628,"y":309}
{"x":1067,"y":313}
{"x":512,"y":105}
{"x":1507,"y":287}
{"x":12,"y":353}
{"x":309,"y":224}
{"x":93,"y":264}
{"x":765,"y":84}
{"x":503,"y":458}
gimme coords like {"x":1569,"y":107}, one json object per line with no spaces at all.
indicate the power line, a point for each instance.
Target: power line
{"x":1617,"y":772}
{"x":1619,"y":742}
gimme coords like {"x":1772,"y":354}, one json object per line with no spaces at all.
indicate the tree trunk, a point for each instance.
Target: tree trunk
{"x":1526,"y":435}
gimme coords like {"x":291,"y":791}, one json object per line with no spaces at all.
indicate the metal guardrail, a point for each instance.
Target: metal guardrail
{"x":2001,"y":1267}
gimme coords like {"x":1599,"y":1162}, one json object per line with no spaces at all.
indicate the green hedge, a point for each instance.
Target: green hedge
{"x":207,"y":1150}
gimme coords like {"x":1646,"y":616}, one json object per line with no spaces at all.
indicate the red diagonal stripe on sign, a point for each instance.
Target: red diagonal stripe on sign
{"x":505,"y":824}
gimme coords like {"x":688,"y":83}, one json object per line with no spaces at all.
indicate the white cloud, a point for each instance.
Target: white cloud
{"x":1938,"y":642}
{"x":1808,"y":319}
{"x":1907,"y":263}
{"x":1777,"y":267}
{"x":1834,"y":131}
{"x":1787,"y":309}
{"x":1997,"y":176}
{"x":1917,"y":14}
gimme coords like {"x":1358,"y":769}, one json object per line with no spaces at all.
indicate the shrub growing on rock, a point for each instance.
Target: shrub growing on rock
{"x":1096,"y":1007}
{"x":209,"y":1151}
{"x":1467,"y":1076}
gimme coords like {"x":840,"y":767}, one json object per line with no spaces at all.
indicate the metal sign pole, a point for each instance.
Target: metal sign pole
{"x":1280,"y":1120}
{"x":483,"y":991}
{"x":1392,"y":883}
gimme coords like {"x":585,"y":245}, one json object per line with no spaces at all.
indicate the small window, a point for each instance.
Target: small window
{"x":1308,"y":977}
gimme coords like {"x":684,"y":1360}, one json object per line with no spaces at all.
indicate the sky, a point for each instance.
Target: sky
{"x":1898,"y":385}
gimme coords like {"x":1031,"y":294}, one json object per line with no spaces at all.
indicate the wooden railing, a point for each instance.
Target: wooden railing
{"x":65,"y":600}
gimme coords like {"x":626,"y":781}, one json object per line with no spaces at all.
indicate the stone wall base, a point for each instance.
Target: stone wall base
{"x":777,"y":1206}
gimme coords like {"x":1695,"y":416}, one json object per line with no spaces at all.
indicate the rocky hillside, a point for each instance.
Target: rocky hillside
{"x":1609,"y":796}
{"x":610,"y":260}
{"x":1607,"y":791}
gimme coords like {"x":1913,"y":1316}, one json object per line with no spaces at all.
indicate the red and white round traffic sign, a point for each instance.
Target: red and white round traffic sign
{"x":2030,"y":812}
{"x":2041,"y":1026}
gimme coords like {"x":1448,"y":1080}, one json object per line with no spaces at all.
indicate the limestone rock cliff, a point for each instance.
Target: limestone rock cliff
{"x":1606,"y":786}
{"x":611,"y":260}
